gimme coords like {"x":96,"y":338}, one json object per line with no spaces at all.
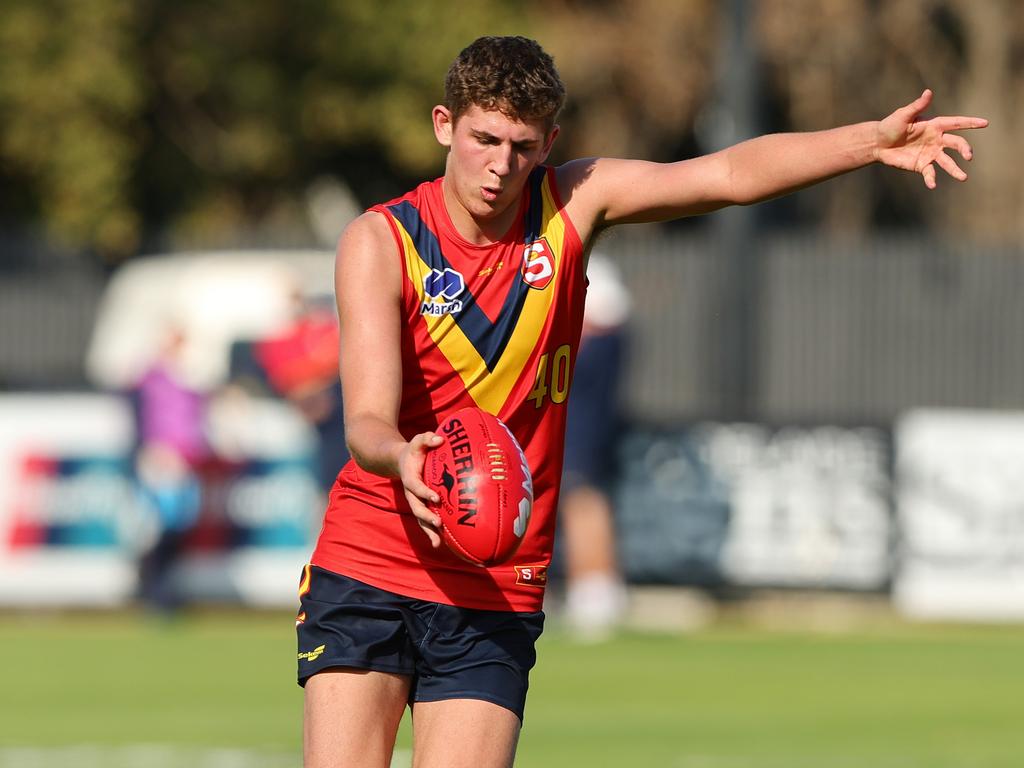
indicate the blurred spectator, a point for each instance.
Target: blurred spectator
{"x":170,"y":419}
{"x":595,"y":593}
{"x":301,"y":364}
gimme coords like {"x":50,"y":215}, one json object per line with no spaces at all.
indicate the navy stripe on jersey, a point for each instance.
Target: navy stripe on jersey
{"x":535,"y":214}
{"x":488,"y":338}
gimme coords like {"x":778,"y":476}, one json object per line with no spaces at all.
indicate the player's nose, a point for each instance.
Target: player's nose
{"x":501,"y":161}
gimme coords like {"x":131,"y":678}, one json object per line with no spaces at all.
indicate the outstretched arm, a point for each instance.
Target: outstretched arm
{"x":607,"y":192}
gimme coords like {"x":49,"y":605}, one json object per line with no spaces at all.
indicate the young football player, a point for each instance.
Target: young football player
{"x":469,"y":291}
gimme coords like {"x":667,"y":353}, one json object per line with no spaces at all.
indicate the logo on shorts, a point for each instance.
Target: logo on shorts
{"x":441,"y":289}
{"x":312,"y":655}
{"x":531,"y":575}
{"x":538,"y":264}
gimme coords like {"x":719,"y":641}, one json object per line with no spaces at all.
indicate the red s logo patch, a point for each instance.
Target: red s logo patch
{"x":538,"y":264}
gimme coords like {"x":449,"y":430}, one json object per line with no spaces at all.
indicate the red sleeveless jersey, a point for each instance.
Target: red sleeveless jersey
{"x":494,"y":326}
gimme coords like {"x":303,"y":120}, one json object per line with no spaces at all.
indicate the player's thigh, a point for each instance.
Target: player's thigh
{"x":355,"y":661}
{"x":351,"y":717}
{"x":463,"y":733}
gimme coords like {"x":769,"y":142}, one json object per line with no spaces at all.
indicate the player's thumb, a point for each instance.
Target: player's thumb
{"x":917,"y":106}
{"x":426,"y":441}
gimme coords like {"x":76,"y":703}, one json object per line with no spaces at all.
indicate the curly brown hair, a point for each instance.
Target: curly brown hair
{"x":511,"y":74}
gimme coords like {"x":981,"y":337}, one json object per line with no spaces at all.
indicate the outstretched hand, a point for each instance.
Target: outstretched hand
{"x":916,"y":145}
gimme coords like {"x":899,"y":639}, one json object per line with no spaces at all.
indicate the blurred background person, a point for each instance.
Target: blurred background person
{"x":301,"y":364}
{"x":595,"y":593}
{"x":170,"y":420}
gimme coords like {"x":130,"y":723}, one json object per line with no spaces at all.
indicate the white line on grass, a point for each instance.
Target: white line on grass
{"x":144,"y":756}
{"x":158,"y":756}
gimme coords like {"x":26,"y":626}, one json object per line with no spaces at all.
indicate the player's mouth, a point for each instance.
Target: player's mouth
{"x":490,"y":194}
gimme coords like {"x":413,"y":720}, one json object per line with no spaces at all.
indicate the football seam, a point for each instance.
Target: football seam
{"x":501,"y":522}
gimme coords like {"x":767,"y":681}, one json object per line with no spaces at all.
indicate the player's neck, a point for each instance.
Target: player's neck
{"x":478,"y":230}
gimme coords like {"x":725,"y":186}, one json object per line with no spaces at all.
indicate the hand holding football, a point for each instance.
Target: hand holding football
{"x":486,"y":489}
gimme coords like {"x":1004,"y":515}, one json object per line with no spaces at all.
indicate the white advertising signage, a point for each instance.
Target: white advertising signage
{"x":961,"y":507}
{"x":73,"y":523}
{"x":810,"y":505}
{"x":758,"y":506}
{"x":66,"y":500}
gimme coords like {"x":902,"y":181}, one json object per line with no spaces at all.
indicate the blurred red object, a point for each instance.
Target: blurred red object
{"x":26,"y":531}
{"x":303,"y":358}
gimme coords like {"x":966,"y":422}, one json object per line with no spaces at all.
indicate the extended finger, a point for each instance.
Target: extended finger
{"x":423,"y":514}
{"x":960,"y":122}
{"x":959,"y":143}
{"x":928,"y":172}
{"x":420,"y":490}
{"x":948,"y":164}
{"x":432,"y":534}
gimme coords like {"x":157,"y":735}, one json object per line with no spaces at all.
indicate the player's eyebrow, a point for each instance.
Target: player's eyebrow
{"x":490,"y":137}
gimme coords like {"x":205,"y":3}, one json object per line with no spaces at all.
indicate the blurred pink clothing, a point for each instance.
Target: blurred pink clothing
{"x":171,"y":414}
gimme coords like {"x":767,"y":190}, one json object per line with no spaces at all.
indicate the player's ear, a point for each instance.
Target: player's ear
{"x":444,"y":125}
{"x":549,"y":142}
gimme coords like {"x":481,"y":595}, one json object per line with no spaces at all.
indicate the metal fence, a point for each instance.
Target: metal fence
{"x":844,"y":332}
{"x":47,"y":308}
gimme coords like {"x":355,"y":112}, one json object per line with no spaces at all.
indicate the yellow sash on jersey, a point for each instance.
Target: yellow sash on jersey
{"x":467,"y":338}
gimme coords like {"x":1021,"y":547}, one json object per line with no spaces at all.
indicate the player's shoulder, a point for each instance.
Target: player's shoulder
{"x":370,"y":230}
{"x":590,"y":174}
{"x":575,"y":173}
{"x":603,"y":191}
{"x":367,"y":247}
{"x":377,"y":225}
{"x":583,"y":185}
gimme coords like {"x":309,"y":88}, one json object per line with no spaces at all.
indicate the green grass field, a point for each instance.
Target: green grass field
{"x":217,"y":690}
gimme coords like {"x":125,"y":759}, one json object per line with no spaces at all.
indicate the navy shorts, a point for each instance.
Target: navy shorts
{"x":449,"y":652}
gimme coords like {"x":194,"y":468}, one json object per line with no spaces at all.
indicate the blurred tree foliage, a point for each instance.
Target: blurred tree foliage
{"x":71,"y":100}
{"x":127,"y":124}
{"x":637,"y":72}
{"x":840,"y":61}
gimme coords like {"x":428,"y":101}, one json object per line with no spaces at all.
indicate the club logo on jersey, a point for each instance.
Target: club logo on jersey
{"x":441,"y":289}
{"x":538,"y":264}
{"x":531,"y":575}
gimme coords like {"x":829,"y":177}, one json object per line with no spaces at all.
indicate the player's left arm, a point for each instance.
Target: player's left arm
{"x":607,"y":191}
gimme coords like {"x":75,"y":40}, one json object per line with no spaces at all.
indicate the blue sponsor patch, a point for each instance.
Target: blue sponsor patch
{"x":442,"y":287}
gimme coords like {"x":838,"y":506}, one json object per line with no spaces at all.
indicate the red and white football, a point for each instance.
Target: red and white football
{"x":486,"y":489}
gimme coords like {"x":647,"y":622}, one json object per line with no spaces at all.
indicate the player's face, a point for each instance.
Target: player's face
{"x":491,"y":156}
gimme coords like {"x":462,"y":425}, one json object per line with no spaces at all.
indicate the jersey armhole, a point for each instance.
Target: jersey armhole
{"x":397,"y":237}
{"x":556,"y":197}
{"x":394,"y":231}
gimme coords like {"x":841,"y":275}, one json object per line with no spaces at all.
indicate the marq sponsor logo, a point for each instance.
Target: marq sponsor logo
{"x":441,"y":289}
